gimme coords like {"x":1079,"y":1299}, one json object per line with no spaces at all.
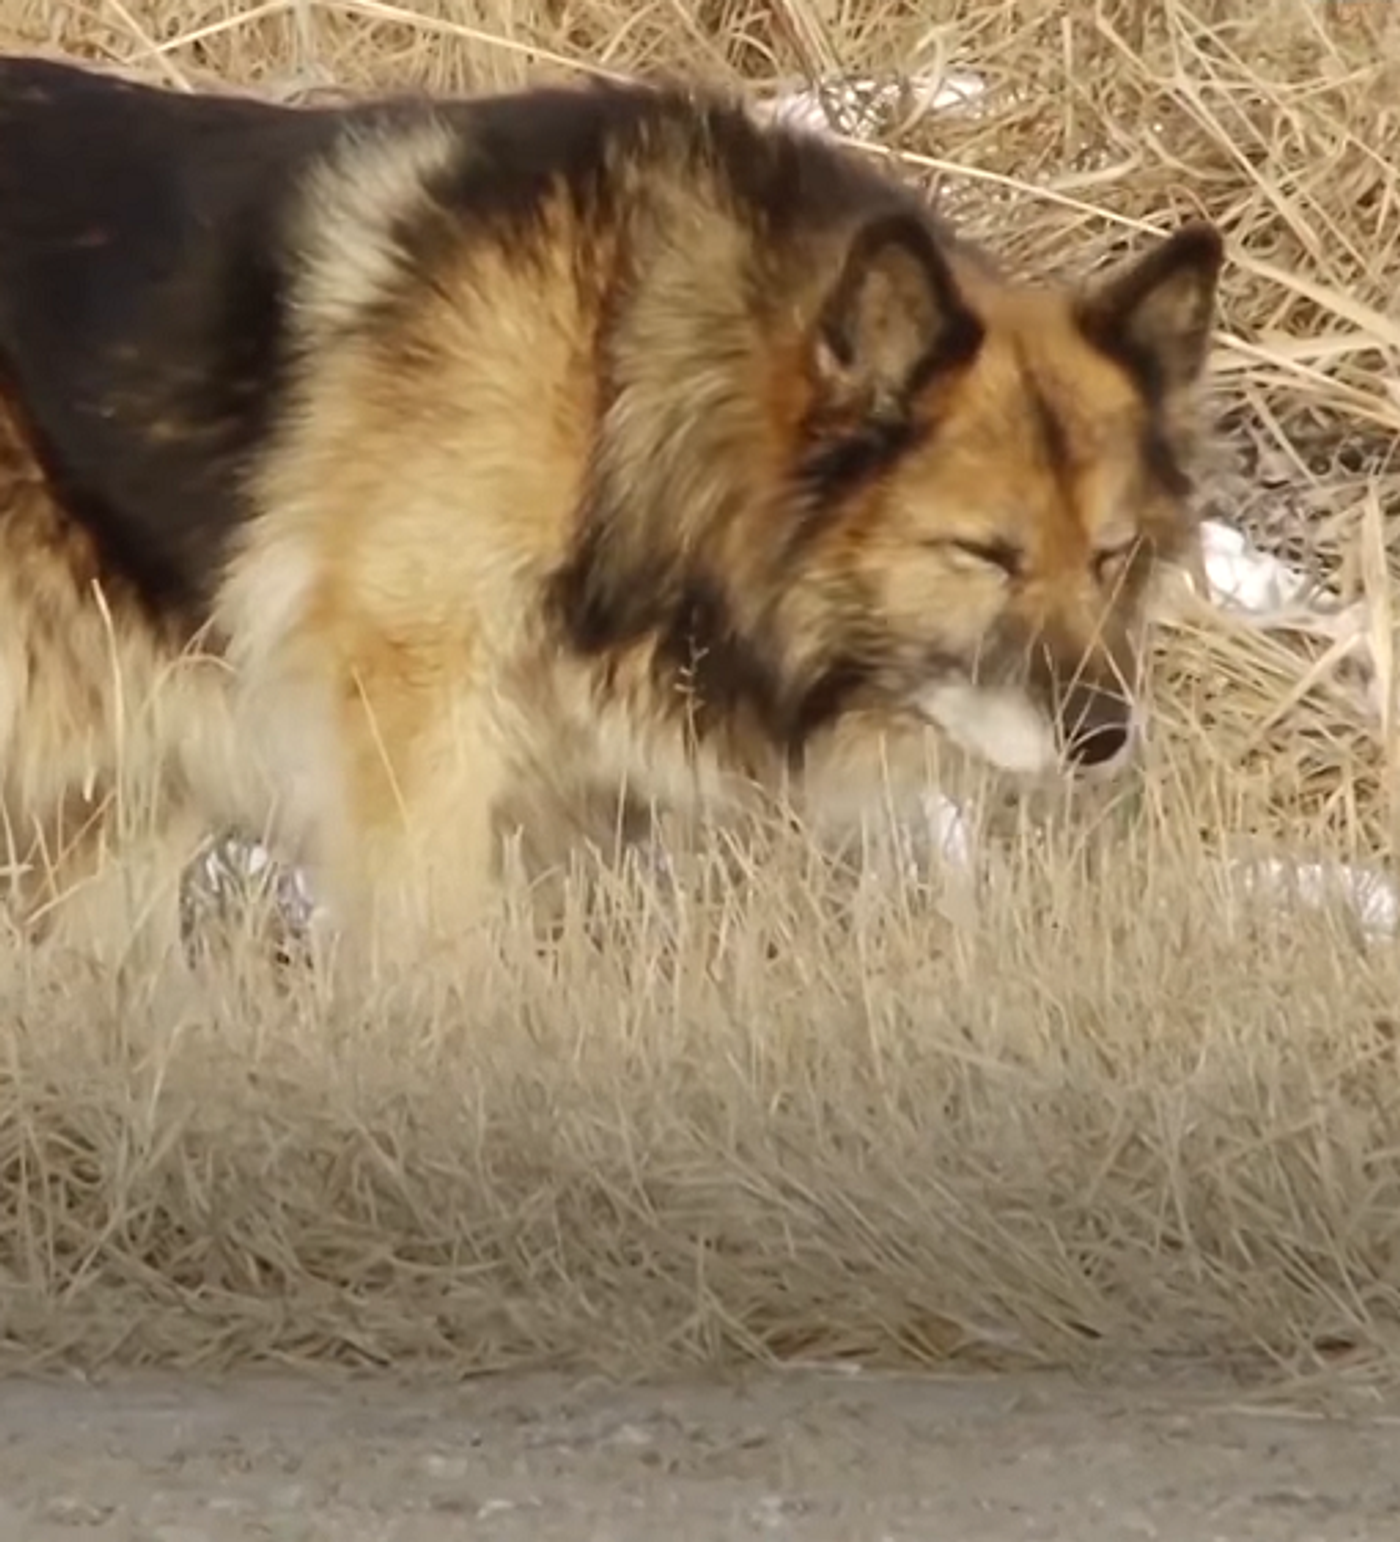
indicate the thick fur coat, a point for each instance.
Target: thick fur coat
{"x":376,"y":477}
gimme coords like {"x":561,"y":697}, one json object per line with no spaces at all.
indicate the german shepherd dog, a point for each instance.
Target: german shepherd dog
{"x":382,"y":477}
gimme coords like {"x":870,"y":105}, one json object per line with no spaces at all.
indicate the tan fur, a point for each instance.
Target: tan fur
{"x":103,"y":725}
{"x":388,"y":691}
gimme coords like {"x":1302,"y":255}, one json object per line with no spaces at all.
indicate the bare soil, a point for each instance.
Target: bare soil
{"x":804,"y":1456}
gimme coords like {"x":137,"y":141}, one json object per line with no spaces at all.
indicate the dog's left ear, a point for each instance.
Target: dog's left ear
{"x":1156,"y":316}
{"x":892,"y":319}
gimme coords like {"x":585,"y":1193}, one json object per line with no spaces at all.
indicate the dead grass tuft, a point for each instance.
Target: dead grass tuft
{"x":1113,"y":1106}
{"x":1100,"y":1102}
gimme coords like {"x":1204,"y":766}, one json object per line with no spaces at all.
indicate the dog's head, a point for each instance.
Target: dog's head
{"x":846,"y":469}
{"x":986,"y":476}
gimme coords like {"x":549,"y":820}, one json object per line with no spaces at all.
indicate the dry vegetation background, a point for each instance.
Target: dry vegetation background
{"x":1098,"y":1104}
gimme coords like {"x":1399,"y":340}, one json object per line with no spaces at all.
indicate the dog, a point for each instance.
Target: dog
{"x":387,"y":476}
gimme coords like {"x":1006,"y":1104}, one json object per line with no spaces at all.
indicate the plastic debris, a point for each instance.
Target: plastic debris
{"x":863,"y":107}
{"x":230,"y":874}
{"x":1244,"y":578}
{"x":1370,"y":896}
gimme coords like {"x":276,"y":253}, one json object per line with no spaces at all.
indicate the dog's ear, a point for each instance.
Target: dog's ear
{"x":891,"y":320}
{"x":1156,"y":316}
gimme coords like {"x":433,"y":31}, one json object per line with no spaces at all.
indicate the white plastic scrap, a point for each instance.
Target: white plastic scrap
{"x":232,"y":868}
{"x":949,"y":829}
{"x":1265,"y":593}
{"x":1371,"y":895}
{"x":1242,"y":577}
{"x":954,"y":849}
{"x":861,"y":106}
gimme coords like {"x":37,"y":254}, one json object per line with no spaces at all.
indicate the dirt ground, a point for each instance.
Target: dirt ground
{"x":804,"y":1456}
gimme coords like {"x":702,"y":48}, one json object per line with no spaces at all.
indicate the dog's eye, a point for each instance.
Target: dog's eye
{"x":993,"y":554}
{"x":1109,"y":559}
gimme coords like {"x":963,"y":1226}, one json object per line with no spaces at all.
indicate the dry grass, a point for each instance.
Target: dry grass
{"x":1101,"y":1105}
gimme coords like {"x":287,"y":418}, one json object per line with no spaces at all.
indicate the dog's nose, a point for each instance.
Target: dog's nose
{"x":1094,"y":746}
{"x":1096,"y":725}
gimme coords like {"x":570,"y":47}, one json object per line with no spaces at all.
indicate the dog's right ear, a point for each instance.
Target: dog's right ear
{"x":893,"y":318}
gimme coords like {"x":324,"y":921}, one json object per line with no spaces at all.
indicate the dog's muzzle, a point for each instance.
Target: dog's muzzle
{"x":1095,"y":725}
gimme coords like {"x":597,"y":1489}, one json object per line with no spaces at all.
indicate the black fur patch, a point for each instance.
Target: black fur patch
{"x":703,"y":658}
{"x":142,"y":306}
{"x":835,"y":467}
{"x":720,"y":677}
{"x":530,"y":150}
{"x":1050,"y":433}
{"x":1162,"y":463}
{"x":703,"y":662}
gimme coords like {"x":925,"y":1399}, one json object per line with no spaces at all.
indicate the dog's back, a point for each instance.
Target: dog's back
{"x":141,"y":280}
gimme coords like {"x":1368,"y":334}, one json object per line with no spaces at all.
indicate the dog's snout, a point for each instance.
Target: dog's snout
{"x":1096,"y":724}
